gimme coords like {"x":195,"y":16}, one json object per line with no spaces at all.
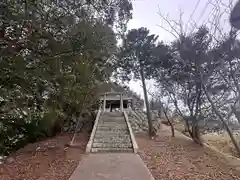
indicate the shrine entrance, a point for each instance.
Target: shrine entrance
{"x":115,"y":102}
{"x":114,"y":105}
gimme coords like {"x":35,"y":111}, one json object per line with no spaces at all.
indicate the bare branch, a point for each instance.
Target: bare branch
{"x":168,"y":22}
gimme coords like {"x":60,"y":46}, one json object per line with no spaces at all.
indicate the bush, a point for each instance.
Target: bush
{"x":35,"y":126}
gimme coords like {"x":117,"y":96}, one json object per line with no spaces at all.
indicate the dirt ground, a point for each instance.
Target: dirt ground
{"x":222,"y":142}
{"x":54,"y":160}
{"x":179,"y":158}
{"x":167,"y":158}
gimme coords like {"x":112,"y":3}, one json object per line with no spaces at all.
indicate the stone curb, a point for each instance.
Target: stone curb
{"x":134,"y":143}
{"x":90,"y":142}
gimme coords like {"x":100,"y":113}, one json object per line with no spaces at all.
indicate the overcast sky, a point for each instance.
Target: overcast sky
{"x":145,"y":14}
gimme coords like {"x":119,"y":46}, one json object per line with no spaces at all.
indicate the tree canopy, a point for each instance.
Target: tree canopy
{"x":53,"y":53}
{"x":138,"y":58}
{"x":196,"y":73}
{"x":136,"y":51}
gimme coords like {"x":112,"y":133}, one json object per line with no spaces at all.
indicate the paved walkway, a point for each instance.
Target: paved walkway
{"x":111,"y":166}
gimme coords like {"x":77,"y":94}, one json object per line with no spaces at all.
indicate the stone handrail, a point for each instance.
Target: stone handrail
{"x":143,"y":114}
{"x":90,"y":142}
{"x":136,"y":115}
{"x":134,"y":143}
{"x":139,"y":115}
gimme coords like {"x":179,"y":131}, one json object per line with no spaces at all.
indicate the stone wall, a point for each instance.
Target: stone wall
{"x":139,"y":122}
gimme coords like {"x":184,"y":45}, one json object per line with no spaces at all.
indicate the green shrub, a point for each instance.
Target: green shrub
{"x":33,"y":127}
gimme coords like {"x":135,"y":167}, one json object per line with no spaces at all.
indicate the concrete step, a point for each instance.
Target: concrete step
{"x":109,"y":117}
{"x":117,"y":136}
{"x":112,"y":123}
{"x":116,"y":140}
{"x":112,"y":120}
{"x":111,"y":133}
{"x":101,"y":135}
{"x":112,"y":117}
{"x":112,"y":114}
{"x":106,"y":128}
{"x":98,"y":150}
{"x":125,"y":137}
{"x":112,"y":145}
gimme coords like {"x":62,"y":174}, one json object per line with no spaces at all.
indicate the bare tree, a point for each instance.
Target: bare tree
{"x":165,"y":109}
{"x":225,"y":77}
{"x":216,"y":63}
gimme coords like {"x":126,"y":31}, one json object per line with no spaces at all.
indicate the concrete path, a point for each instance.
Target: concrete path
{"x":111,"y":166}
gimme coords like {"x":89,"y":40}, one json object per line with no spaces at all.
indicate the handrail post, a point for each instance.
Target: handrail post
{"x":90,"y":142}
{"x":121,"y":102}
{"x":134,"y":143}
{"x":104,"y":102}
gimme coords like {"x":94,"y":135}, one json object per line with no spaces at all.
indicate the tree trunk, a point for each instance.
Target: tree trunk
{"x":223,"y":121}
{"x":150,"y":125}
{"x":169,"y":121}
{"x":195,"y":126}
{"x":188,"y":127}
{"x":195,"y":132}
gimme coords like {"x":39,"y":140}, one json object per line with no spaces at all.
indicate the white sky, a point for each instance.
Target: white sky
{"x":145,"y":14}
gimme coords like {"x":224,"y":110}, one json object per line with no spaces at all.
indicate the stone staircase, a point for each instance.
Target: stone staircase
{"x":112,"y":134}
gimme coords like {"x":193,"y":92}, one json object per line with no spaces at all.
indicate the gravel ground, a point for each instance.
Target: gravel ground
{"x":179,"y":158}
{"x":54,"y":161}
